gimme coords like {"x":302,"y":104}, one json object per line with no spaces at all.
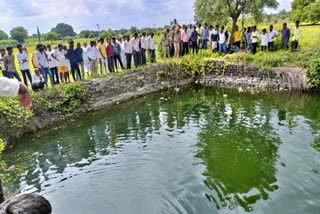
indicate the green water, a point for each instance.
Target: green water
{"x":195,"y":151}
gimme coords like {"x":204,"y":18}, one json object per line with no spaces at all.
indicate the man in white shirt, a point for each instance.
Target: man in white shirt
{"x":264,"y":40}
{"x":3,"y":68}
{"x":52,"y":65}
{"x":59,"y":55}
{"x":23,"y":61}
{"x":272,"y":34}
{"x":85,"y":57}
{"x":254,"y":39}
{"x":123,"y":54}
{"x":12,"y":88}
{"x":128,"y":51}
{"x":152,"y":48}
{"x":223,"y":38}
{"x":37,"y":80}
{"x":42,"y":59}
{"x":92,"y":54}
{"x":135,"y":50}
{"x":143,"y":49}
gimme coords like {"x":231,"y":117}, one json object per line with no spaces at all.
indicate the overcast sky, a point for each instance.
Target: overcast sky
{"x":86,"y":14}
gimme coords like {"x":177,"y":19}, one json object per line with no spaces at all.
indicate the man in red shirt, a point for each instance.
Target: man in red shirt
{"x":109,"y":49}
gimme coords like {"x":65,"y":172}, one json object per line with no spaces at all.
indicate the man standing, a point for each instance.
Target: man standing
{"x":254,"y":39}
{"x":285,"y":37}
{"x":110,"y":56}
{"x":143,"y":49}
{"x":23,"y":61}
{"x":117,"y":53}
{"x":297,"y":33}
{"x":10,"y":66}
{"x":128,"y":51}
{"x":92,"y":55}
{"x":79,"y":56}
{"x":214,"y":39}
{"x":37,"y":80}
{"x":123,"y":54}
{"x":174,"y":24}
{"x":86,"y":61}
{"x":185,"y":41}
{"x":237,"y":37}
{"x":53,"y":65}
{"x":44,"y":65}
{"x":135,"y":49}
{"x":271,"y":35}
{"x":204,"y":36}
{"x":176,"y":42}
{"x":3,"y":69}
{"x":152,"y":48}
{"x":60,"y":56}
{"x":71,"y":55}
{"x":165,"y":43}
{"x":194,"y":40}
{"x":223,"y":37}
{"x":102,"y":56}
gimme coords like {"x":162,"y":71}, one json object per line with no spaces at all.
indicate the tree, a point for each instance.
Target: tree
{"x":51,"y":36}
{"x":221,"y":10}
{"x":3,"y":35}
{"x":64,"y":30}
{"x":306,"y":10}
{"x":19,"y":33}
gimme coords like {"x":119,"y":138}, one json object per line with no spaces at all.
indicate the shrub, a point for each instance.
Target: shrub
{"x":313,"y":71}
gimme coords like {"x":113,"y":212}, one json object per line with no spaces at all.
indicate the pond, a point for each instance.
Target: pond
{"x":196,"y":151}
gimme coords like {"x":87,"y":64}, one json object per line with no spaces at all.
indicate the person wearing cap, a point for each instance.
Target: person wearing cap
{"x":102,"y":56}
{"x":297,"y":33}
{"x":176,"y":42}
{"x":9,"y":64}
{"x":2,"y":67}
{"x":165,"y":43}
{"x":23,"y":61}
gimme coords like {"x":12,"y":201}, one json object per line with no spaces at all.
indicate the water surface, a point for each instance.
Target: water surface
{"x":197,"y":151}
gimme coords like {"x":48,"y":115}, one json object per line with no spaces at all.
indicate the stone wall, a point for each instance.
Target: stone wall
{"x":105,"y":92}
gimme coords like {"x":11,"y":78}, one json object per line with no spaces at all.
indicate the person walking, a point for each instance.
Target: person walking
{"x":9,"y":64}
{"x":285,"y":37}
{"x":254,"y":39}
{"x":297,"y":33}
{"x":102,"y":56}
{"x":52,"y":65}
{"x":23,"y":61}
{"x":185,"y":41}
{"x":128,"y":51}
{"x":135,"y":50}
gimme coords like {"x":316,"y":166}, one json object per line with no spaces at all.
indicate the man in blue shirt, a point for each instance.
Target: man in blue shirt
{"x":117,"y":53}
{"x":285,"y":36}
{"x":71,"y":55}
{"x":80,"y":61}
{"x":204,"y":36}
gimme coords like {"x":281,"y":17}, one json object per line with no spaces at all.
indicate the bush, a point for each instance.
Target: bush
{"x":313,"y":71}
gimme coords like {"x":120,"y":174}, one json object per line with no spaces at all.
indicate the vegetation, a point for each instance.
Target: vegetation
{"x":306,"y":11}
{"x":19,"y":33}
{"x":3,"y":35}
{"x":64,"y":30}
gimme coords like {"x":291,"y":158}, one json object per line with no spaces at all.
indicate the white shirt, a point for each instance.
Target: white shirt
{"x":210,"y":33}
{"x":127,"y":46}
{"x":264,"y":39}
{"x":143,"y":43}
{"x":9,"y":87}
{"x":60,"y":56}
{"x":135,"y":44}
{"x":92,"y":52}
{"x":51,"y":60}
{"x":151,"y":44}
{"x":222,"y":37}
{"x":256,"y":35}
{"x":272,"y":34}
{"x":189,"y":31}
{"x":42,"y":59}
{"x":24,"y":65}
{"x":36,"y":79}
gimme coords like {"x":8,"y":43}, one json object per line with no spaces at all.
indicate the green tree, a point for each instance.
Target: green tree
{"x":306,"y":10}
{"x":64,"y":30}
{"x":3,"y":35}
{"x":221,"y":10}
{"x":19,"y":33}
{"x":51,"y":36}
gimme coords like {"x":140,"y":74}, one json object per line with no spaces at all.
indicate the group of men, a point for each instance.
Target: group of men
{"x":178,"y":41}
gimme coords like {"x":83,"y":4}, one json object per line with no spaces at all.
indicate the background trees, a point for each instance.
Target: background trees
{"x":3,"y":35}
{"x":19,"y":33}
{"x":306,"y":10}
{"x":63,"y":30}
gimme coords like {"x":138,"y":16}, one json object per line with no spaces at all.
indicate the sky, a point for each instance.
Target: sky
{"x":87,"y":14}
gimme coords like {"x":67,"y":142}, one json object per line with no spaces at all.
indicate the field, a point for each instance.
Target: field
{"x":308,"y":44}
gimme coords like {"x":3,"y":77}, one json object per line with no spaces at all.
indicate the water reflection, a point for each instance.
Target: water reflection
{"x":233,"y":143}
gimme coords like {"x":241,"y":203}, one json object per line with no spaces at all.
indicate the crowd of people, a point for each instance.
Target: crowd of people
{"x":81,"y":60}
